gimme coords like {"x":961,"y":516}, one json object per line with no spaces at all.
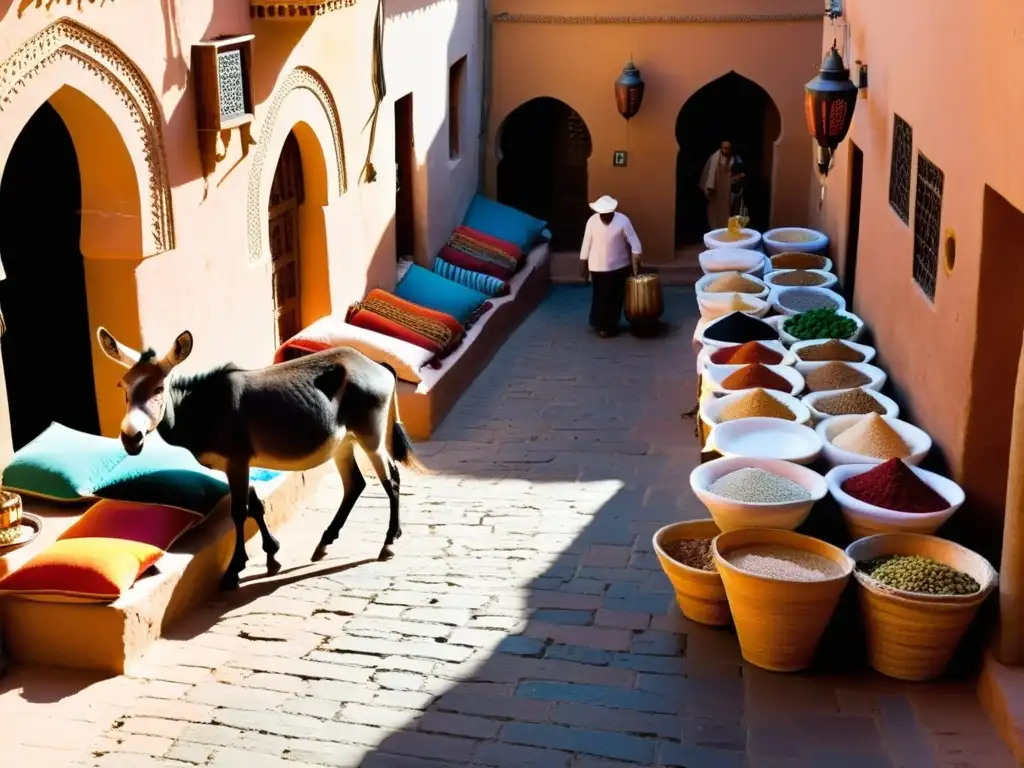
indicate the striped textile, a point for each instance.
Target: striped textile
{"x":492,"y":286}
{"x":479,"y":252}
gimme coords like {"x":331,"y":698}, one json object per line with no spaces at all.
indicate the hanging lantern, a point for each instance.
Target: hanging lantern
{"x":829,"y":101}
{"x":629,"y":91}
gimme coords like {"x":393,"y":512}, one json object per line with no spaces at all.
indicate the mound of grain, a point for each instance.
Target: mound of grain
{"x":872,"y":436}
{"x":733,"y":282}
{"x":755,"y":403}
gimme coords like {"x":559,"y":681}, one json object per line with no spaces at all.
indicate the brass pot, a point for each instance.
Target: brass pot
{"x":644,"y":304}
{"x":10,"y":509}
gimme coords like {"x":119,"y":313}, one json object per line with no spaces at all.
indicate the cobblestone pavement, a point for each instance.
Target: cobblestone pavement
{"x":523,"y":623}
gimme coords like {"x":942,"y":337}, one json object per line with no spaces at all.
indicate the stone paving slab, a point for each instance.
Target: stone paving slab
{"x":524,"y":621}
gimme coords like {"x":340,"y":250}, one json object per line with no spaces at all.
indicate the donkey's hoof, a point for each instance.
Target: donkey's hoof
{"x":318,"y":554}
{"x":385,"y":554}
{"x":229,"y":582}
{"x":273,"y":566}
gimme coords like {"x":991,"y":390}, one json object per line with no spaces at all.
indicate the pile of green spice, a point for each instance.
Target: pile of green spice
{"x":824,"y":323}
{"x":756,"y":486}
{"x":833,"y":349}
{"x":916,"y":573}
{"x":849,"y":402}
{"x":695,"y":553}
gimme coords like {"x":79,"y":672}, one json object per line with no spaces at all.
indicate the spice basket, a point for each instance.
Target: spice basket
{"x":731,"y":515}
{"x":767,"y":438}
{"x":828,"y":279}
{"x":716,"y":374}
{"x":877,"y":377}
{"x":776,"y":294}
{"x":711,"y":407}
{"x":789,"y":339}
{"x":700,"y":332}
{"x":700,"y":594}
{"x":919,"y":442}
{"x":867,"y":520}
{"x":864,"y":349}
{"x":811,"y":400}
{"x":704,"y":357}
{"x":700,"y":287}
{"x":779,"y":623}
{"x":715,"y":305}
{"x":776,"y":262}
{"x":732,"y":260}
{"x":912,"y":636}
{"x":720,"y":238}
{"x":794,"y":239}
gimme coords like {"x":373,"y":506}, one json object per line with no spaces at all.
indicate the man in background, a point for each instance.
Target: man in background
{"x":610,"y":251}
{"x":717,"y":183}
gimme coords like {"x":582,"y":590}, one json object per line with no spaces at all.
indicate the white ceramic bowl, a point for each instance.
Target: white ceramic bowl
{"x":917,"y":439}
{"x":858,"y":513}
{"x":751,"y":239}
{"x":810,"y":240}
{"x":701,"y":285}
{"x":714,"y":305}
{"x":790,"y":339}
{"x":775,"y":298}
{"x":864,"y":349}
{"x":732,"y":515}
{"x":826,"y":266}
{"x":876,"y":374}
{"x":714,"y":375}
{"x":700,"y":332}
{"x":704,"y":358}
{"x":711,"y":408}
{"x":731,"y":260}
{"x":891,"y":408}
{"x":765,"y":438}
{"x":774,"y":274}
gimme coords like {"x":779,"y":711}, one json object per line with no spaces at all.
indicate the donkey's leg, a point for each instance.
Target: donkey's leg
{"x":270,"y":545}
{"x":387,"y":472}
{"x":355,"y":484}
{"x":238,"y":482}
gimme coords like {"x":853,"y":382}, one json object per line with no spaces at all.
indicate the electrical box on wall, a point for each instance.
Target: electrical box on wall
{"x":222,"y":83}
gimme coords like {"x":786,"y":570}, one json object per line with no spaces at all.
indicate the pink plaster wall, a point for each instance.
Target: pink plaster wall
{"x":579,"y":62}
{"x":207,"y":283}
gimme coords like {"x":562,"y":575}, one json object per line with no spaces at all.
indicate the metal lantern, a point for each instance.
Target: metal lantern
{"x":629,"y":91}
{"x":829,"y":101}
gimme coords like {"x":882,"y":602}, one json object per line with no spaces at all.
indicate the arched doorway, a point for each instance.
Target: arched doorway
{"x":735,"y":109}
{"x":544,"y":148}
{"x":287,"y":194}
{"x":47,"y":350}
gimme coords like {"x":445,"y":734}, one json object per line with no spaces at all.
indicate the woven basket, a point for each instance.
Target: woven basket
{"x":911,"y":636}
{"x":700,"y":594}
{"x":779,"y":623}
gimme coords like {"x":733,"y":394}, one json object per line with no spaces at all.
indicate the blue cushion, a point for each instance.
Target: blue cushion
{"x":505,"y":223}
{"x":423,"y":287}
{"x":63,"y":464}
{"x":478,"y":281}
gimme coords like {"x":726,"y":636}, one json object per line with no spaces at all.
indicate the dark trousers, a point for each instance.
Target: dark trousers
{"x":609,"y":294}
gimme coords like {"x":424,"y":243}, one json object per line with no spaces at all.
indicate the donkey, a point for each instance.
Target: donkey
{"x":292,"y":416}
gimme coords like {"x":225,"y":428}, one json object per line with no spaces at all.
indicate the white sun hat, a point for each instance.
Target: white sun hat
{"x":605,"y":204}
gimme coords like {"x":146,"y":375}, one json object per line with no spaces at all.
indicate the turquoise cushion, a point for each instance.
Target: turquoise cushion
{"x":492,"y":286}
{"x":423,"y":287}
{"x":505,"y":223}
{"x":165,"y":474}
{"x":63,"y":464}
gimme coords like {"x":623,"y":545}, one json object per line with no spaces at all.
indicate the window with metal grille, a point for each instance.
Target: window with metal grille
{"x":927,"y":220}
{"x":232,"y":84}
{"x":899,"y":168}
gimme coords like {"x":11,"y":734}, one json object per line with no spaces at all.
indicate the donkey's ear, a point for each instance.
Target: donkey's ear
{"x":115,"y":350}
{"x":182,"y":349}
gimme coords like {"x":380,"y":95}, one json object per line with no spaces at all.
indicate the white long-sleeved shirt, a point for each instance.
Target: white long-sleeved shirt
{"x":607,"y":247}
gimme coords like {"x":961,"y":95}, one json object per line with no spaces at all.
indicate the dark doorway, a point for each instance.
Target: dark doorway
{"x":544,"y":150}
{"x":47,"y":350}
{"x":405,"y":167}
{"x":853,"y":223}
{"x":731,"y":108}
{"x":286,"y":195}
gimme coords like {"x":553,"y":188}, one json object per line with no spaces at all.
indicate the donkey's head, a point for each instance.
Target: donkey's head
{"x":143,"y":384}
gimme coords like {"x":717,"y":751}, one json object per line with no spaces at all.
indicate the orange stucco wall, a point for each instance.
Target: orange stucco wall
{"x":948,"y":69}
{"x":158,"y":263}
{"x":578,"y":61}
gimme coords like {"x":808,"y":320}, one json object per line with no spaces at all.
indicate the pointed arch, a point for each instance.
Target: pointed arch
{"x":105,"y":73}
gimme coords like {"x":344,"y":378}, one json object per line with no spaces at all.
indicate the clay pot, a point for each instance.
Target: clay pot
{"x":700,"y":594}
{"x":912,"y":636}
{"x":779,"y":623}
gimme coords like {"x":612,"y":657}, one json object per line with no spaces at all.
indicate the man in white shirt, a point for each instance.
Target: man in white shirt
{"x":610,"y":248}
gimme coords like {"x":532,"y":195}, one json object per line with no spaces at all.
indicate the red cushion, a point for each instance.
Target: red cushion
{"x":152,"y":524}
{"x":386,"y":313}
{"x":479,"y":252}
{"x":82,"y":570}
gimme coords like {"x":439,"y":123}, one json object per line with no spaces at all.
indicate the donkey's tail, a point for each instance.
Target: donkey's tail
{"x":399,"y":443}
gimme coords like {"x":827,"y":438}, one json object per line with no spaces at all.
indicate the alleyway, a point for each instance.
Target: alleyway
{"x":524,"y":621}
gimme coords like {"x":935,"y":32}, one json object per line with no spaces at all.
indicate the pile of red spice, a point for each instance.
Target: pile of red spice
{"x":756,"y":376}
{"x":751,"y":352}
{"x":893,"y":485}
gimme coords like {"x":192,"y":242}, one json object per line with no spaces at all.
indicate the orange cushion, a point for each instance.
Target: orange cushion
{"x":82,"y":570}
{"x":153,"y":524}
{"x":417,"y":310}
{"x":385,"y":313}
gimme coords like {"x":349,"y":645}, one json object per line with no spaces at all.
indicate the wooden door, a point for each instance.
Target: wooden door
{"x":405,"y":220}
{"x":286,"y":195}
